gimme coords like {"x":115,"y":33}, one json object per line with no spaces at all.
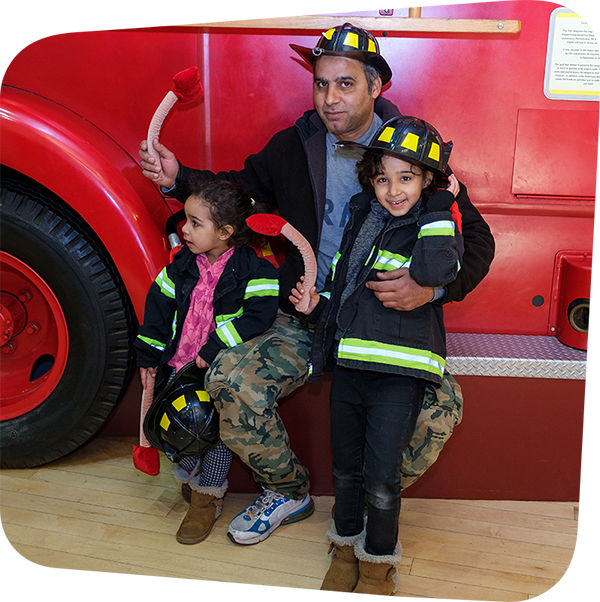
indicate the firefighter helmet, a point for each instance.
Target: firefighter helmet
{"x":351,"y":42}
{"x":411,"y":139}
{"x":182,"y":420}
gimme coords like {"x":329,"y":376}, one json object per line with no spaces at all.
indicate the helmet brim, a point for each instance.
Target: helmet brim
{"x":369,"y":58}
{"x":387,"y":151}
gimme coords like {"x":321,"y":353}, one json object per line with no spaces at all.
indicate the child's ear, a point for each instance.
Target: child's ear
{"x":427,"y":179}
{"x":226,"y":232}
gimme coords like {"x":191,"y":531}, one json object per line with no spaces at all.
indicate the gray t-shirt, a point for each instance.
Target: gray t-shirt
{"x":342,"y":185}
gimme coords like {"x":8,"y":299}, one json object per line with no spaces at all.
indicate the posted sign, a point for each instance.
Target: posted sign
{"x":573,"y":58}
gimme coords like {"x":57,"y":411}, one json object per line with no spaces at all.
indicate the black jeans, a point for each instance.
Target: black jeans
{"x":373,"y":417}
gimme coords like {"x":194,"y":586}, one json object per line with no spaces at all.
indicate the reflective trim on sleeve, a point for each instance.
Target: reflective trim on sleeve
{"x":165,"y":284}
{"x":334,"y":263}
{"x":387,"y":261}
{"x":262,"y":287}
{"x":222,"y":319}
{"x":228,"y":334}
{"x":152,"y":343}
{"x":440,"y":228}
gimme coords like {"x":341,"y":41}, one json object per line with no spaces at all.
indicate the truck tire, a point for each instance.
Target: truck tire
{"x":66,"y":326}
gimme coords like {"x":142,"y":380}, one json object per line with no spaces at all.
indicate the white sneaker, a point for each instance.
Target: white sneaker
{"x":265,"y":514}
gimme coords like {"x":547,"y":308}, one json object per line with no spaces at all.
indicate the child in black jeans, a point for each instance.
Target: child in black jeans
{"x":382,"y":358}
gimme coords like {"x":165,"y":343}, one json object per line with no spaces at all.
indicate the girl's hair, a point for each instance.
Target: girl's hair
{"x":229,"y":205}
{"x":370,"y":166}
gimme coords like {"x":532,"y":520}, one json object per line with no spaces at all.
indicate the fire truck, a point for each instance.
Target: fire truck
{"x":513,"y":84}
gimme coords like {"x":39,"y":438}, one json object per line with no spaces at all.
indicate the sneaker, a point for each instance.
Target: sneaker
{"x":265,"y":514}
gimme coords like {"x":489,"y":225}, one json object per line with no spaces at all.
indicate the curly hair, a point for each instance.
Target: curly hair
{"x":229,"y":205}
{"x":370,"y":166}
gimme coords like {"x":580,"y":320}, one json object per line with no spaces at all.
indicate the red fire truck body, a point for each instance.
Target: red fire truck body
{"x":84,"y":232}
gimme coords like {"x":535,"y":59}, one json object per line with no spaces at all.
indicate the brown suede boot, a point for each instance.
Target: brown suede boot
{"x":342,"y":575}
{"x":377,"y":574}
{"x":186,"y":492}
{"x":205,"y":508}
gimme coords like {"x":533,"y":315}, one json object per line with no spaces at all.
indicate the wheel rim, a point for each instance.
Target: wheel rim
{"x":34,"y":339}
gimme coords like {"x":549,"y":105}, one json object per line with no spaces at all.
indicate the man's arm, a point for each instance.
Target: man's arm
{"x":396,"y":289}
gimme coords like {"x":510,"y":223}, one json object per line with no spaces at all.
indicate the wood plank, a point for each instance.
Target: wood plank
{"x":104,"y":580}
{"x":491,"y":516}
{"x":498,"y":26}
{"x":179,"y":564}
{"x":538,"y":567}
{"x":493,"y":530}
{"x":485,"y":544}
{"x":500,"y":580}
{"x":160,"y":505}
{"x":438,"y":588}
{"x":551,"y":509}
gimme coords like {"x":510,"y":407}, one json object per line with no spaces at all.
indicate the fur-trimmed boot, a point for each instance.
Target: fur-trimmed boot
{"x":205,"y":507}
{"x":342,"y":575}
{"x":377,"y":574}
{"x":184,"y":477}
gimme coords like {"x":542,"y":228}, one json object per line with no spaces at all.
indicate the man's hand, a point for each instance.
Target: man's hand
{"x":399,"y":291}
{"x":162,"y":173}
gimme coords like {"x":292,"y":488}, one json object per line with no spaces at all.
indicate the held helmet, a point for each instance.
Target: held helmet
{"x":411,"y":139}
{"x":182,"y":420}
{"x":351,"y":42}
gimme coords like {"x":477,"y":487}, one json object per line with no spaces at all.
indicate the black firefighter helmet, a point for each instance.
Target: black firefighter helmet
{"x":411,"y":139}
{"x":182,"y":420}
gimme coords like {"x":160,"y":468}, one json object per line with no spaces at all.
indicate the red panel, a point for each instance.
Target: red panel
{"x":556,"y":153}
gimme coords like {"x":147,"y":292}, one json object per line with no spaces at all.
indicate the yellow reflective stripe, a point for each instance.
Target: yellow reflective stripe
{"x":393,"y":355}
{"x":334,"y":263}
{"x":165,"y":284}
{"x":221,"y":319}
{"x":387,"y":261}
{"x":262,"y":287}
{"x":440,"y":228}
{"x":152,"y":342}
{"x":174,"y":326}
{"x":229,"y":335}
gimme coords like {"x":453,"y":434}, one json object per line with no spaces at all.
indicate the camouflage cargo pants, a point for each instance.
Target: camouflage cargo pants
{"x":246,"y":382}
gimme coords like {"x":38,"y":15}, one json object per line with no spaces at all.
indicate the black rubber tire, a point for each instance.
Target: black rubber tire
{"x":43,"y":233}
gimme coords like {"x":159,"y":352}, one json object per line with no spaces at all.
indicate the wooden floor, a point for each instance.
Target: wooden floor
{"x":93,"y":511}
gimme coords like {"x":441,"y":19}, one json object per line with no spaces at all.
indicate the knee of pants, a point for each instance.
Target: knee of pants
{"x":381,"y":495}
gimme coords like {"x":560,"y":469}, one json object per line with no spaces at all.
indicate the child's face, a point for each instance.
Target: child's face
{"x":199,"y":231}
{"x":399,"y":185}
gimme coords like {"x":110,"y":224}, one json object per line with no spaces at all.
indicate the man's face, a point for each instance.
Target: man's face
{"x":341,"y":96}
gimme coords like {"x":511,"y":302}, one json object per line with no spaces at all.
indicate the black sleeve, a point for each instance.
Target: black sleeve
{"x":438,"y":253}
{"x":479,"y":250}
{"x":155,"y":332}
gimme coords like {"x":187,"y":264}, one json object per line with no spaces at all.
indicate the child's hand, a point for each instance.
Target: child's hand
{"x":298,"y":292}
{"x":201,"y":363}
{"x":145,"y":374}
{"x":453,"y":185}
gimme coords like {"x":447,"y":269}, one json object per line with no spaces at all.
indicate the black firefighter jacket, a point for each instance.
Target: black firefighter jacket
{"x":374,"y":337}
{"x":245,"y":304}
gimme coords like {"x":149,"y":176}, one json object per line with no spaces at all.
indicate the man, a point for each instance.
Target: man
{"x":300,"y":173}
